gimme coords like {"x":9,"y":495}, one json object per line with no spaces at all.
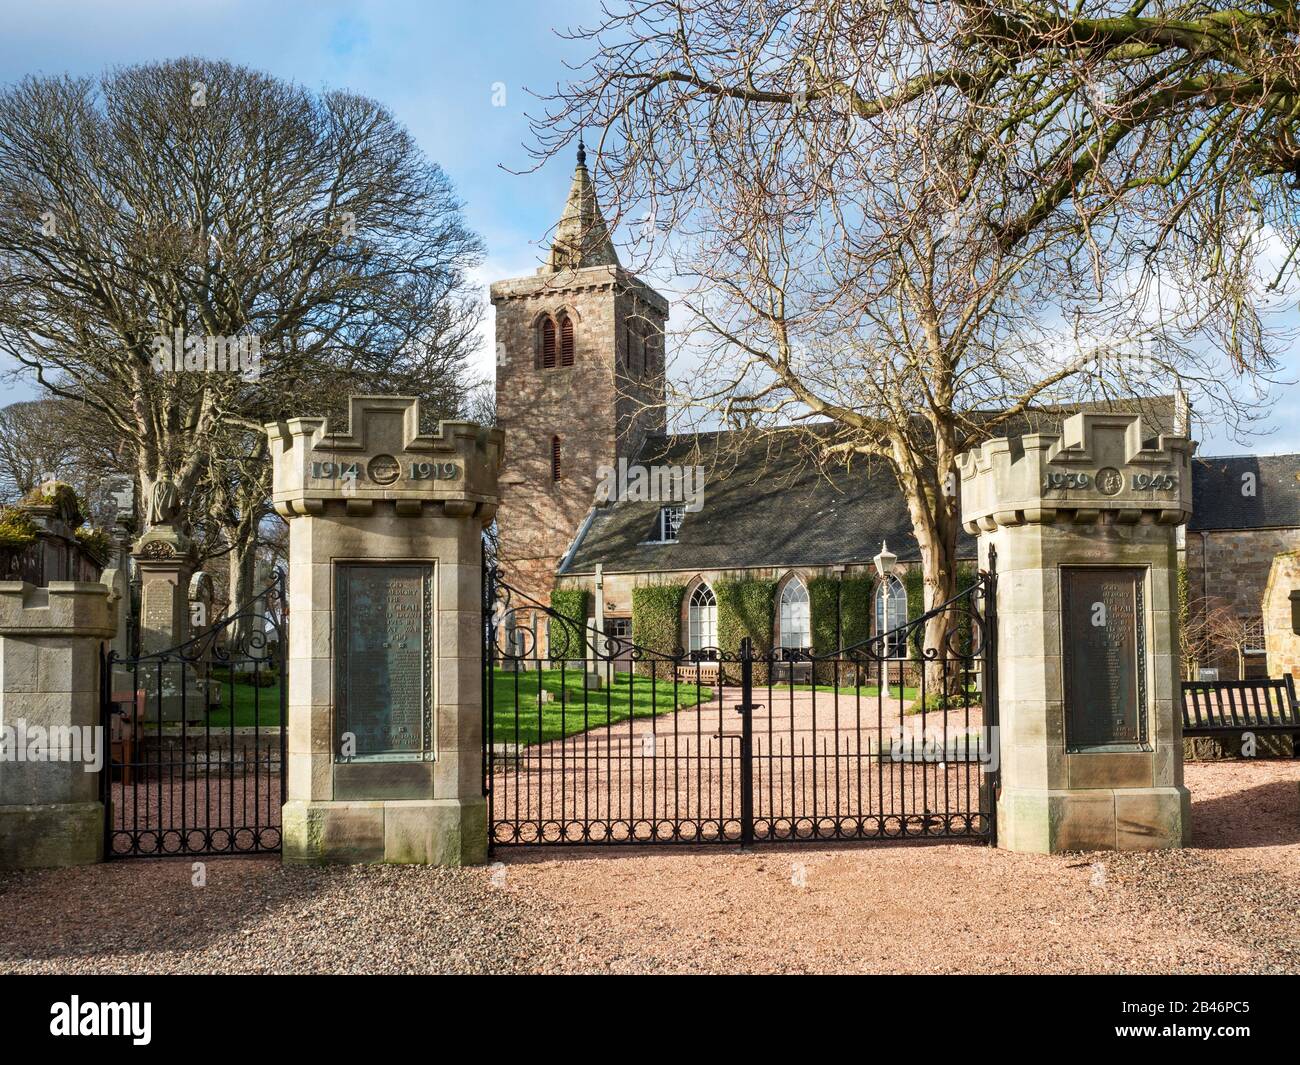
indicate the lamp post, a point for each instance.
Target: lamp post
{"x":885,"y":561}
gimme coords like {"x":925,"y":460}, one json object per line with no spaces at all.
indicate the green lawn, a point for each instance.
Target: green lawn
{"x":265,"y":702}
{"x":628,"y":696}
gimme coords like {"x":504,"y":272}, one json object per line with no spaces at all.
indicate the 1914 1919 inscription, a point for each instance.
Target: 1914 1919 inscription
{"x":383,"y":615}
{"x":1105,"y":657}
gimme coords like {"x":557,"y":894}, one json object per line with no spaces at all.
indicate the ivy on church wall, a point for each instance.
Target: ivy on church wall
{"x":745,"y":608}
{"x":824,"y":606}
{"x":856,"y":609}
{"x":567,"y":632}
{"x":657,"y":619}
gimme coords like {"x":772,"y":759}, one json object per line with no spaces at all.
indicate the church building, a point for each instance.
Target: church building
{"x":581,"y":395}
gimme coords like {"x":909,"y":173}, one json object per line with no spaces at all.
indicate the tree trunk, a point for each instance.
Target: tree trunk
{"x":241,"y":562}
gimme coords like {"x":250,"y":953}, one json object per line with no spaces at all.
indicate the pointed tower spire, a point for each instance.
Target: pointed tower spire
{"x":581,"y":237}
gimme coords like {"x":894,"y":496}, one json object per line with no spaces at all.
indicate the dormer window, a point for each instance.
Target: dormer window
{"x":670,"y":520}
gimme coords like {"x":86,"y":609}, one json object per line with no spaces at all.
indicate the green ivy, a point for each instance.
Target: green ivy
{"x":96,"y":541}
{"x":568,"y":631}
{"x":16,"y":528}
{"x":745,"y":608}
{"x":657,"y":617}
{"x":855,"y":610}
{"x":824,"y":605}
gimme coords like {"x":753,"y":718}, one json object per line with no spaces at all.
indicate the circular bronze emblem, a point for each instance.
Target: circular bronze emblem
{"x":1109,"y":481}
{"x":383,"y":469}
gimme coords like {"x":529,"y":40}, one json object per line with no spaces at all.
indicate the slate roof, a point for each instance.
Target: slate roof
{"x":768,"y":504}
{"x":1218,"y":502}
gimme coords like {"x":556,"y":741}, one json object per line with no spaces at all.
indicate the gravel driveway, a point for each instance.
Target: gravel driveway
{"x":1226,"y":905}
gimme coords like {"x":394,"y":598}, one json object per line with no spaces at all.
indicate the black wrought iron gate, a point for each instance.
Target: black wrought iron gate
{"x":197,"y":739}
{"x":604,"y":740}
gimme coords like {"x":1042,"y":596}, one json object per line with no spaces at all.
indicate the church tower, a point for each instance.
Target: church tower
{"x":580,"y":383}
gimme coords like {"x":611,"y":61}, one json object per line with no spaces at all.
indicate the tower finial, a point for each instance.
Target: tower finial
{"x":582,"y":150}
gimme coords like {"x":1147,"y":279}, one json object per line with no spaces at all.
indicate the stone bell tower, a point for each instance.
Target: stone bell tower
{"x":580,"y":383}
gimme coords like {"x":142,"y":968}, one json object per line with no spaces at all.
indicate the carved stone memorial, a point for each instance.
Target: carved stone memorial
{"x":385,"y":755}
{"x":1084,"y":522}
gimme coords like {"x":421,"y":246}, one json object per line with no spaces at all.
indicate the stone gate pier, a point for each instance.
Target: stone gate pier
{"x":1084,"y":522}
{"x":385,"y":553}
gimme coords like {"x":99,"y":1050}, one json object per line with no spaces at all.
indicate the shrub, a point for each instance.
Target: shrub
{"x":96,"y":541}
{"x":657,"y":620}
{"x":16,"y":528}
{"x":745,"y":609}
{"x":568,"y":632}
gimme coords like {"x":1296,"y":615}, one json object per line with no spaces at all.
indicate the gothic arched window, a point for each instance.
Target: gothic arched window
{"x":891,"y":613}
{"x":566,"y":340}
{"x":796,"y":615}
{"x":548,"y":344}
{"x":702,"y":619}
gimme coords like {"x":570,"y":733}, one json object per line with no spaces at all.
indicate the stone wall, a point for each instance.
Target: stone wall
{"x":598,"y":409}
{"x":50,"y":808}
{"x":1281,"y":642}
{"x":1232,"y":566}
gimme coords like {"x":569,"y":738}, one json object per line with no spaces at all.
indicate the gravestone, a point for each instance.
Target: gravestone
{"x":385,"y":756}
{"x":164,"y":560}
{"x":1084,"y":522}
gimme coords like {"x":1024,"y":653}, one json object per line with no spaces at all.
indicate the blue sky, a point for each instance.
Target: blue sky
{"x":434,"y":63}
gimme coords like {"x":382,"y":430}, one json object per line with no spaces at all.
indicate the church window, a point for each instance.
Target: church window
{"x":548,"y":344}
{"x":796,"y":617}
{"x":891,"y":613}
{"x":702,"y":619}
{"x":566,"y":340}
{"x":670,"y":520}
{"x":555,"y":458}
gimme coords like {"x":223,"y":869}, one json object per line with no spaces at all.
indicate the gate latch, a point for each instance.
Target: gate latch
{"x":744,"y":708}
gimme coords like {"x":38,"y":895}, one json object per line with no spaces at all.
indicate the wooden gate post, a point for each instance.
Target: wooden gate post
{"x":1084,"y":523}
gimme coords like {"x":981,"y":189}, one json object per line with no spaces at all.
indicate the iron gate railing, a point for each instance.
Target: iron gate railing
{"x":197,"y":739}
{"x":604,"y":740}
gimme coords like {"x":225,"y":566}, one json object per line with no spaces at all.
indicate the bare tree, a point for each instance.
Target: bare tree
{"x":846,"y":253}
{"x":1214,"y":630}
{"x":176,"y":209}
{"x":63,"y":439}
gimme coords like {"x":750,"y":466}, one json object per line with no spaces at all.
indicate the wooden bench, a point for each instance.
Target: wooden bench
{"x":1234,"y":707}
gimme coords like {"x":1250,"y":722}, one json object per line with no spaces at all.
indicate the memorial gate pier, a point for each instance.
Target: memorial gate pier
{"x":1084,"y":525}
{"x":385,"y":751}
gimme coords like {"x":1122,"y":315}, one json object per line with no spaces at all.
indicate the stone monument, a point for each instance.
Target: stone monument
{"x":385,"y":756}
{"x":165,"y":562}
{"x":50,"y":808}
{"x":1084,"y":522}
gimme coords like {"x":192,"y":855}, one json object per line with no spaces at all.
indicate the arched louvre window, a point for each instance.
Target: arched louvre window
{"x":566,"y":340}
{"x":548,"y":345}
{"x":796,"y":615}
{"x":702,"y":619}
{"x":555,"y":458}
{"x":891,"y":613}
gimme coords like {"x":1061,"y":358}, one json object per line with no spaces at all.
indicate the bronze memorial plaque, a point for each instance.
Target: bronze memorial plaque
{"x":383,"y":637}
{"x":1105,"y":657}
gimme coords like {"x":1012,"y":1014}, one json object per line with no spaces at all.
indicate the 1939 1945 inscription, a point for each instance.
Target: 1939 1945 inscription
{"x":1105,"y":657}
{"x":382,"y":695}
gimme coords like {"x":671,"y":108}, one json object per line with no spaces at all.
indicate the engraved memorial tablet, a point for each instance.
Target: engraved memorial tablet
{"x":1105,"y":657}
{"x":384,"y":664}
